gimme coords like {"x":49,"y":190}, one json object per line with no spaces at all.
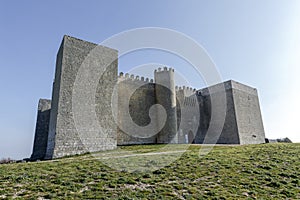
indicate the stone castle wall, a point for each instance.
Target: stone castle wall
{"x":145,"y":96}
{"x":243,"y":122}
{"x":41,"y":130}
{"x":139,"y":104}
{"x":248,"y":114}
{"x":166,"y":96}
{"x":187,"y":114}
{"x":189,"y":111}
{"x":63,"y":137}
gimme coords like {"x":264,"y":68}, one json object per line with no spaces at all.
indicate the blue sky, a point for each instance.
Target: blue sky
{"x":252,"y":41}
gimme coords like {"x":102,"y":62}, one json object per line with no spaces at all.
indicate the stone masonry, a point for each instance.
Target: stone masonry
{"x":188,"y":111}
{"x":41,"y":129}
{"x":63,"y":138}
{"x":243,"y":121}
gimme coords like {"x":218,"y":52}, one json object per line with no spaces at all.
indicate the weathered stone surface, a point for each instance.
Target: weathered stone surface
{"x":243,"y":122}
{"x":41,"y":130}
{"x":139,"y":104}
{"x":63,"y":137}
{"x":166,"y":96}
{"x":188,"y":112}
{"x":248,"y":114}
{"x":188,"y":115}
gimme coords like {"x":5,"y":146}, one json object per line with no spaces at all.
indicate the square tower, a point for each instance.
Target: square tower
{"x":243,"y":121}
{"x":63,"y":138}
{"x":41,"y":130}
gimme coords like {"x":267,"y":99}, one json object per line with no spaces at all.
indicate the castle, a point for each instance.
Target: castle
{"x":137,"y":117}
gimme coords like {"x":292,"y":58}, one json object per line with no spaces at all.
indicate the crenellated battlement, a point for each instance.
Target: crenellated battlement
{"x":133,"y":77}
{"x":165,"y":69}
{"x":185,"y":91}
{"x":185,"y":88}
{"x":192,"y":116}
{"x":186,"y":96}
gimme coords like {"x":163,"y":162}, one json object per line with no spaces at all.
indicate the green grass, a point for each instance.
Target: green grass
{"x":267,"y":171}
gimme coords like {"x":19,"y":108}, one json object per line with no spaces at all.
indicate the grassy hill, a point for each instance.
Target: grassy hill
{"x":267,"y":171}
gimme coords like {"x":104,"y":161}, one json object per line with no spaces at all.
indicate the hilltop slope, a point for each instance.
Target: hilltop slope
{"x":239,"y":172}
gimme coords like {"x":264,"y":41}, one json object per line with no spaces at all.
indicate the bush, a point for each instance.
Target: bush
{"x":285,"y":140}
{"x":6,"y":161}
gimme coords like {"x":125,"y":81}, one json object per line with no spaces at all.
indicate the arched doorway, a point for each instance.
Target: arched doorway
{"x":191,"y":137}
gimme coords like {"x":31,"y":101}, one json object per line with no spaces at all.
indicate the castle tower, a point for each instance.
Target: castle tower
{"x":64,"y":138}
{"x":41,"y":130}
{"x":243,"y":122}
{"x":166,"y":96}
